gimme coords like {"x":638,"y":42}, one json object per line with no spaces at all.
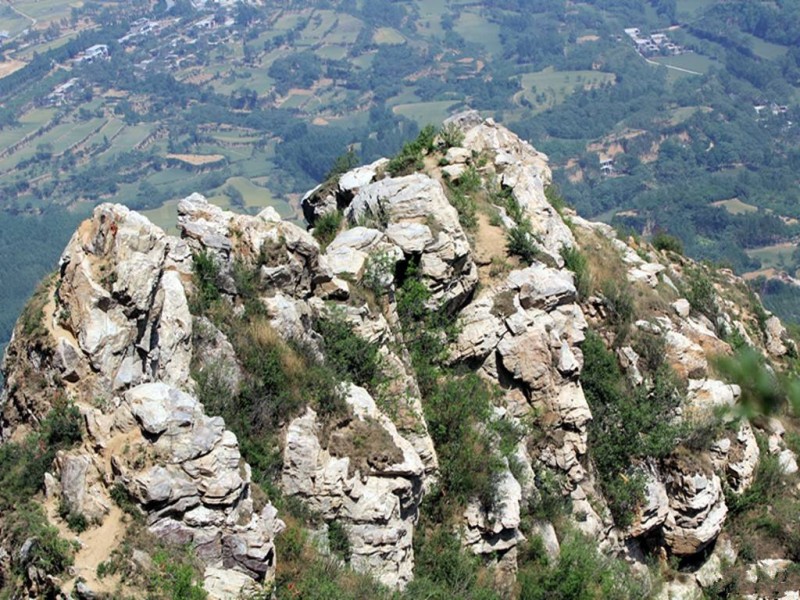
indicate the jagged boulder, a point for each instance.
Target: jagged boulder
{"x":373,"y":486}
{"x":121,"y":303}
{"x":415,"y":215}
{"x":697,"y":508}
{"x":337,"y":195}
{"x":289,"y":257}
{"x":197,"y":490}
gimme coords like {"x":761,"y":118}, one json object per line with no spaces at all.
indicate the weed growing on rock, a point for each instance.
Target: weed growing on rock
{"x":629,"y":425}
{"x":326,"y":227}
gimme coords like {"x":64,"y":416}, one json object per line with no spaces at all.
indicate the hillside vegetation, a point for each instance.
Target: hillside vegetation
{"x":274,"y":92}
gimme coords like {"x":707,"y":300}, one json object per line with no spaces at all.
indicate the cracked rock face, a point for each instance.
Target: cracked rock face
{"x":420,"y":221}
{"x":697,"y":509}
{"x":198,"y":489}
{"x":120,"y":340}
{"x":373,"y":490}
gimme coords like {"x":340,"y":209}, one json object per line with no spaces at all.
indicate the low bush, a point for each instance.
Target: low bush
{"x":618,"y":301}
{"x":48,"y":552}
{"x":669,"y":243}
{"x":444,"y":570}
{"x":469,"y":466}
{"x":451,"y":135}
{"x":176,"y":579}
{"x":701,"y":294}
{"x":352,"y":357}
{"x":23,"y":464}
{"x":410,"y":158}
{"x":338,"y":541}
{"x":327,"y":227}
{"x":576,"y":261}
{"x":205,"y":276}
{"x":465,"y":206}
{"x":580,"y":572}
{"x":520,"y":242}
{"x":629,"y":425}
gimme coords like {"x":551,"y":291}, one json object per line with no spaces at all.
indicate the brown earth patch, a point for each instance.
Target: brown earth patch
{"x":197,"y":159}
{"x":9,"y":66}
{"x":368,"y":445}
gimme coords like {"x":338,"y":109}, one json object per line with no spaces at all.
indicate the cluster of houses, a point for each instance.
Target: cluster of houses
{"x":772,"y":107}
{"x":92,"y":54}
{"x":653,"y":44}
{"x":62,"y":94}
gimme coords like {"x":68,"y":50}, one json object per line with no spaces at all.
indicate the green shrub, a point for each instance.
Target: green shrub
{"x":205,"y":275}
{"x":176,"y":576}
{"x":520,"y":243}
{"x":121,"y":497}
{"x":451,"y":135}
{"x":549,"y":502}
{"x":629,"y":425}
{"x":23,"y":464}
{"x":618,"y":302}
{"x":326,"y":227}
{"x":342,"y":164}
{"x":576,"y":261}
{"x":669,"y":243}
{"x":48,"y":552}
{"x":580,"y":572}
{"x":410,"y":158}
{"x":338,"y":540}
{"x":701,"y":294}
{"x":651,"y":349}
{"x":469,"y":181}
{"x":378,"y":272}
{"x":465,"y":206}
{"x":469,"y":466}
{"x":76,"y":521}
{"x":352,"y":357}
{"x":444,"y":570}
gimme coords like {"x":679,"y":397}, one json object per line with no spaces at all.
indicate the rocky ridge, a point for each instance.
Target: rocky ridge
{"x":118,"y":337}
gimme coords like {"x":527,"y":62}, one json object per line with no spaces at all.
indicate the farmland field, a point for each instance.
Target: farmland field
{"x":557,"y":85}
{"x":691,"y":62}
{"x":735,"y":206}
{"x":426,"y":113}
{"x":778,"y":255}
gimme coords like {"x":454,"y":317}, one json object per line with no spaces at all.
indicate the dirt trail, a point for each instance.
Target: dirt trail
{"x":490,"y":251}
{"x":97,"y":543}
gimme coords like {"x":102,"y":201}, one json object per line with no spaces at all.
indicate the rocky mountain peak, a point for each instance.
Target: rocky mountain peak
{"x":436,"y":338}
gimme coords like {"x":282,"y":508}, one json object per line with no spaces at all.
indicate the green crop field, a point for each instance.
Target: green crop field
{"x":691,"y":62}
{"x":44,"y":10}
{"x":427,"y":113}
{"x":557,"y":85}
{"x":388,"y":36}
{"x":766,"y":49}
{"x":132,"y":135}
{"x":11,"y":21}
{"x":476,"y":28}
{"x":63,"y":137}
{"x":684,"y":113}
{"x":736,"y":206}
{"x":692,"y":7}
{"x":778,"y":255}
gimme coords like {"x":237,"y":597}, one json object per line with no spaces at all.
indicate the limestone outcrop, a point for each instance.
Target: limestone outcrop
{"x":117,"y":332}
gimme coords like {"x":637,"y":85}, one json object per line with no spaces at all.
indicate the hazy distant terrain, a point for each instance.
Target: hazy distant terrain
{"x":251,"y":105}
